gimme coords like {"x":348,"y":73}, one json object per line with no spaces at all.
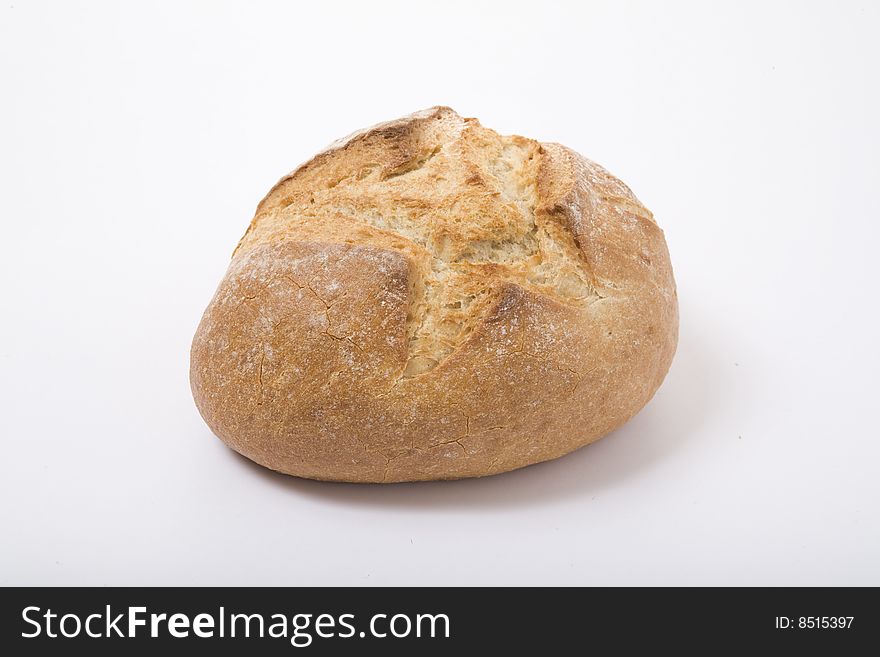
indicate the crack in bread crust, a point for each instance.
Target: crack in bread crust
{"x":464,"y":197}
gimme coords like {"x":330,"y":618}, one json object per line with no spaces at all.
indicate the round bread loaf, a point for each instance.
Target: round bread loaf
{"x":428,"y":299}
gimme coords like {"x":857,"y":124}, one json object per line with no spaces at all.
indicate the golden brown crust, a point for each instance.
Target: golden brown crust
{"x":429,"y":300}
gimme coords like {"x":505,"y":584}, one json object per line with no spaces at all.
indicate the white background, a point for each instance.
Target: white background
{"x":135,"y":142}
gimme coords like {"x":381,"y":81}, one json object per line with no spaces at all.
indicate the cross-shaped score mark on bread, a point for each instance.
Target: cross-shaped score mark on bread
{"x":462,"y":198}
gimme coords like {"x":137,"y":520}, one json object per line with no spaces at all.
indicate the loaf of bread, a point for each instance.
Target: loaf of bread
{"x":427,"y":299}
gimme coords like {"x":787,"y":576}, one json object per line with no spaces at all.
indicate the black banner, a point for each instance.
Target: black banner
{"x":433,"y":621}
